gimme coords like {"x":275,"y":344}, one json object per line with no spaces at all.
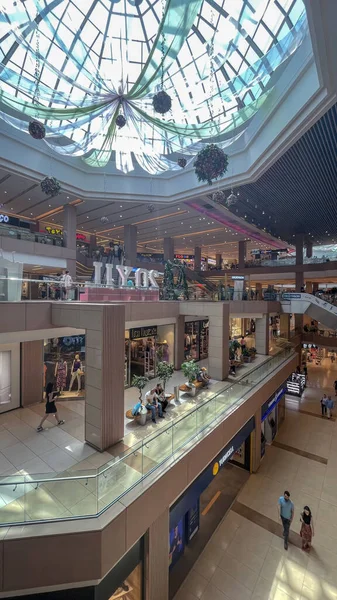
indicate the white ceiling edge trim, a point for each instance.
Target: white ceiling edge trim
{"x":39,"y":334}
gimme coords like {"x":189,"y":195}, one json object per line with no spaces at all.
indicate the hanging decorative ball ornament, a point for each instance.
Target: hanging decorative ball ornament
{"x":104,"y":220}
{"x":50,"y":186}
{"x":37,"y":130}
{"x":232,"y":199}
{"x":211,"y":163}
{"x":150,"y":208}
{"x":121,"y":121}
{"x":182,"y":162}
{"x":162,"y":102}
{"x":219,"y":197}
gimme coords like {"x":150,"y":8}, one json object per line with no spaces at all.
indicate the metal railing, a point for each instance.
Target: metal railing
{"x":88,"y":493}
{"x":29,"y":236}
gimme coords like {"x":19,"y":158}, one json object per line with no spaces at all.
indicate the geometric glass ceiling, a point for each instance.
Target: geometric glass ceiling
{"x":97,"y":58}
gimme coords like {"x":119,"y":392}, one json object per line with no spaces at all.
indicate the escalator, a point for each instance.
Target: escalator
{"x":197,"y":279}
{"x":316,"y":308}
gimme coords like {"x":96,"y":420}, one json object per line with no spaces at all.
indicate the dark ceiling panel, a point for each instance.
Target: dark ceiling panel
{"x":298,"y":194}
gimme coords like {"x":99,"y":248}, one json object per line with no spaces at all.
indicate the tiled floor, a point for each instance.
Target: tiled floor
{"x":60,"y":450}
{"x":244,"y":559}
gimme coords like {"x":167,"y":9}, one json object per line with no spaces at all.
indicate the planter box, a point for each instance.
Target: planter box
{"x":247,"y":359}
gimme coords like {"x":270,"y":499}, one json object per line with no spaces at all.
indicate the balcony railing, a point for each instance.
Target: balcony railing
{"x":47,"y":497}
{"x":18,"y":233}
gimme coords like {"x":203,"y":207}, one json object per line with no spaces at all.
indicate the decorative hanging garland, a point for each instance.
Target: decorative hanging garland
{"x":211,"y":163}
{"x":50,"y":186}
{"x":104,"y":220}
{"x":182,"y":162}
{"x":219,"y":197}
{"x":121,"y":121}
{"x":36,"y":129}
{"x":162,"y":102}
{"x":150,"y":208}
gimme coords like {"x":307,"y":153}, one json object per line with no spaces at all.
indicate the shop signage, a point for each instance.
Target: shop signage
{"x":238,"y":277}
{"x":4,"y":219}
{"x":143,"y":332}
{"x":143,"y":277}
{"x":291,"y":296}
{"x":81,"y":237}
{"x":53,"y":230}
{"x":73,"y":341}
{"x":268,"y":406}
{"x":226,"y":456}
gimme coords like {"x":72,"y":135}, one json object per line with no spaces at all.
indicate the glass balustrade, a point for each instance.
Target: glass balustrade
{"x":86,"y":493}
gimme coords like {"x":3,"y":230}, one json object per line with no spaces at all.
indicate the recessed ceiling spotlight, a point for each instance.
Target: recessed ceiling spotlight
{"x":67,"y":197}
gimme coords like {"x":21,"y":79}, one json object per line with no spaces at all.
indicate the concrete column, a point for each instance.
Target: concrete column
{"x":93,"y":243}
{"x":258,"y":288}
{"x":309,"y":249}
{"x":71,"y":267}
{"x":309,"y":287}
{"x":218,"y":261}
{"x":299,"y":281}
{"x":262,"y":335}
{"x":285,"y":326}
{"x":69,"y":227}
{"x":157,"y":563}
{"x":299,"y":323}
{"x":130,"y":244}
{"x":168,"y":248}
{"x":197,"y":258}
{"x":315,"y":287}
{"x":242,"y":254}
{"x":218,"y":350}
{"x":32,"y":375}
{"x":104,"y":401}
{"x":299,"y":248}
{"x":179,"y":342}
{"x":256,"y":443}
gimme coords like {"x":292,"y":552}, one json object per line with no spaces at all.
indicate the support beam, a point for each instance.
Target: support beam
{"x":157,"y":572}
{"x":69,"y":236}
{"x":179,"y":355}
{"x":262,"y":335}
{"x":242,"y":254}
{"x":197,"y":258}
{"x":168,"y":248}
{"x":218,"y":349}
{"x":32,"y":376}
{"x":256,"y":443}
{"x":285,"y":326}
{"x":218,"y":261}
{"x":130,"y":244}
{"x":299,"y":248}
{"x":309,"y":249}
{"x":299,"y":281}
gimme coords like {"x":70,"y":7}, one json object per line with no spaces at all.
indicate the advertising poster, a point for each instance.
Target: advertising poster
{"x":192,"y":521}
{"x":176,"y":543}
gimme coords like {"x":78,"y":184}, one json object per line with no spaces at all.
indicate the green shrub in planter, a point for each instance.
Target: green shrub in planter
{"x":139,"y":382}
{"x":190,"y":370}
{"x":165,"y":371}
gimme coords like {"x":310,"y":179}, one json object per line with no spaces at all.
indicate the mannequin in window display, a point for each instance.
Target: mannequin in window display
{"x":76,"y":372}
{"x":61,"y":371}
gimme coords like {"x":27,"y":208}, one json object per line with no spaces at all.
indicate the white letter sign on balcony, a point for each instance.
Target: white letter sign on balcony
{"x":143,"y":278}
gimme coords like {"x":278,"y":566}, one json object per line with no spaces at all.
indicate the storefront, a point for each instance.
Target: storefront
{"x":9,"y":377}
{"x":296,"y":384}
{"x":196,"y":339}
{"x":144,"y":348}
{"x":198,"y":512}
{"x":64,"y":365}
{"x":272,"y":416}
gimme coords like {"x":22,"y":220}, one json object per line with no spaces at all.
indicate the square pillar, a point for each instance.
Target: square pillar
{"x":309,"y":249}
{"x":218,"y":261}
{"x":197,"y":258}
{"x":315,"y":287}
{"x":218,"y":349}
{"x":157,"y":558}
{"x":256,"y":443}
{"x":179,"y":342}
{"x":93,"y":244}
{"x":69,"y":227}
{"x":285,"y":326}
{"x":309,"y":287}
{"x":242,"y":254}
{"x":31,"y":372}
{"x":168,"y":248}
{"x":258,"y":289}
{"x":104,"y":401}
{"x":299,"y":323}
{"x":262,"y":335}
{"x":299,"y":239}
{"x":130,"y":244}
{"x":299,"y":281}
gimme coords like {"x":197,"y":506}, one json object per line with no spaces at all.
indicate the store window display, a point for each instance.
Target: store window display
{"x":196,"y":340}
{"x":131,"y":588}
{"x":64,"y":365}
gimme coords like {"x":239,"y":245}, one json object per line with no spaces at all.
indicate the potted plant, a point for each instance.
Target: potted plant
{"x":165,"y":371}
{"x":246,"y":355}
{"x":190,"y":370}
{"x":139,"y":381}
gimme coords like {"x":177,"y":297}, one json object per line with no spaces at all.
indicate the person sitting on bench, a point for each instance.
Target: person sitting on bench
{"x":151,"y":403}
{"x":161,"y":396}
{"x":203,"y":377}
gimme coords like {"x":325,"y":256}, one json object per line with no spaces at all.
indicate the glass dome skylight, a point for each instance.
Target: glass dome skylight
{"x":98,"y":58}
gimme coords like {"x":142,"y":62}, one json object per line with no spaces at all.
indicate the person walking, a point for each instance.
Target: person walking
{"x":50,"y":406}
{"x":67,"y":283}
{"x":324,"y":400}
{"x":307,"y":528}
{"x":286,"y":514}
{"x":329,"y":406}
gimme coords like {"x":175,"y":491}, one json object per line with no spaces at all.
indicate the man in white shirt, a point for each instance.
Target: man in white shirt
{"x":67,"y":283}
{"x":151,"y":403}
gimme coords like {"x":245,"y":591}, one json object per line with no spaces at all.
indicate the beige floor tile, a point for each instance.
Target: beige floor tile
{"x":195,"y":584}
{"x":291,"y":579}
{"x":184,"y":594}
{"x":212,"y":593}
{"x":212,"y":553}
{"x":205,"y":568}
{"x":239,"y":571}
{"x":229,"y":586}
{"x":247,"y":557}
{"x":264,"y":590}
